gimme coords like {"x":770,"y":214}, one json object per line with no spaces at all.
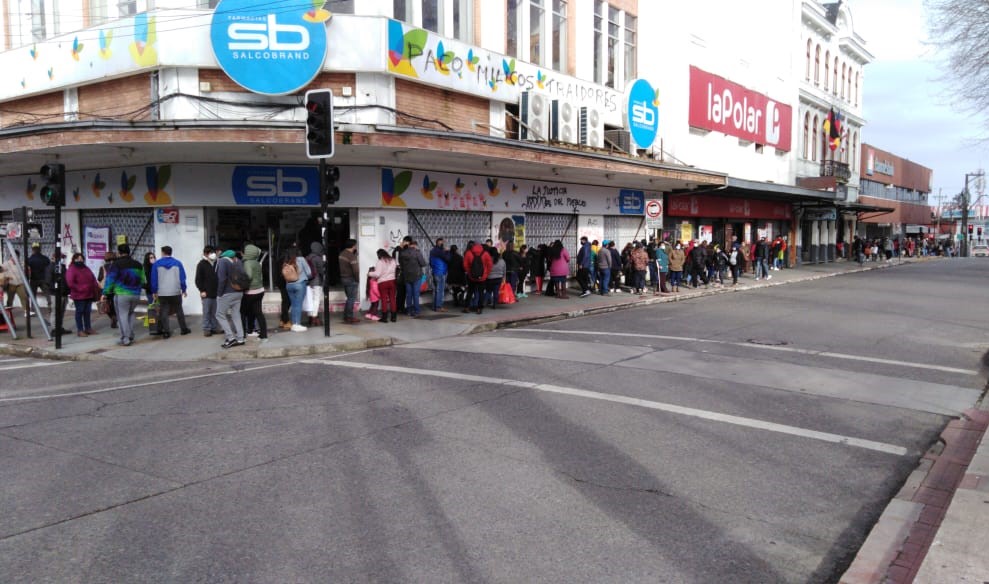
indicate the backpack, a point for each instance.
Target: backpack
{"x":237,"y":277}
{"x":477,"y":268}
{"x":290,"y":272}
{"x":733,"y":258}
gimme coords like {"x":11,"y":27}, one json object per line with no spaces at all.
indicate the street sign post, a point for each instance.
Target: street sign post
{"x":654,"y":214}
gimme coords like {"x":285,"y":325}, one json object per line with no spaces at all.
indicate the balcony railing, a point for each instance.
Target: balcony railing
{"x":839,"y":170}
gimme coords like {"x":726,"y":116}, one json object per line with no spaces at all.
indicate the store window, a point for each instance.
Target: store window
{"x":98,"y":11}
{"x":431,"y":15}
{"x":341,"y":6}
{"x":614,"y":41}
{"x":834,"y":80}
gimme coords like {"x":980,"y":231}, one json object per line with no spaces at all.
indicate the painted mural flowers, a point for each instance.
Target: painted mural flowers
{"x":318,"y":12}
{"x":394,"y":186}
{"x":428,"y":187}
{"x":472,"y":60}
{"x":493,"y":189}
{"x":106,"y":37}
{"x":443,"y":58}
{"x":127,"y":186}
{"x":97,"y":186}
{"x":142,"y":49}
{"x":403,"y":46}
{"x":76,"y":48}
{"x":157,"y":181}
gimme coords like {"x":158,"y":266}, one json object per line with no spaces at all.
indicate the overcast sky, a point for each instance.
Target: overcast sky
{"x":908,"y":111}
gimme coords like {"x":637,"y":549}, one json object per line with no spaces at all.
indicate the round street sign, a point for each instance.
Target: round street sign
{"x":654,"y":208}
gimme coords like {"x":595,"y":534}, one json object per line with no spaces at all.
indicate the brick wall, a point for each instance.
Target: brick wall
{"x":455,"y":110}
{"x":48,"y":108}
{"x":219,"y":81}
{"x":118,"y":99}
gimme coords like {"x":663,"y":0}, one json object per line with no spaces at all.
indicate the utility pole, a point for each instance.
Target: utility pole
{"x":965,"y":204}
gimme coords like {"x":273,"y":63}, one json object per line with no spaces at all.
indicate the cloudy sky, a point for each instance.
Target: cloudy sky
{"x":907,"y":108}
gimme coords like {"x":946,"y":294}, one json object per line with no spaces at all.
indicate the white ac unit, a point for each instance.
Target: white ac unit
{"x":534,"y":110}
{"x":591,"y":128}
{"x":564,"y":122}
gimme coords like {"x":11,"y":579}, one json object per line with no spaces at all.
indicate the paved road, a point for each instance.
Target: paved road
{"x":751,"y":437}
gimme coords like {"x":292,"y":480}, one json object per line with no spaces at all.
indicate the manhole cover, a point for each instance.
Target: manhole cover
{"x":769,"y":342}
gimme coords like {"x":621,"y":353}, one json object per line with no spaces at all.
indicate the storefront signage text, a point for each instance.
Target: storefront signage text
{"x":631,"y":202}
{"x":723,"y":106}
{"x":275,"y":185}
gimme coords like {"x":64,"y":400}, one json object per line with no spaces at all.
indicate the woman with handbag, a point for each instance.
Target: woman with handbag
{"x":296,"y":272}
{"x":83,"y":289}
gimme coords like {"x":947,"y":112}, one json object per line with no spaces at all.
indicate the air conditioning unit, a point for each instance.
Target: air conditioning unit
{"x":620,"y":139}
{"x":564,"y":122}
{"x":591,"y":128}
{"x":534,"y":110}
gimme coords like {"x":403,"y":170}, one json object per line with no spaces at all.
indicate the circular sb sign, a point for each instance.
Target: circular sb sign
{"x":268,"y":47}
{"x":642,"y":114}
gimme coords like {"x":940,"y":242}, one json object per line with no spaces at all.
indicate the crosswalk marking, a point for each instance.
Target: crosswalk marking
{"x":666,"y":407}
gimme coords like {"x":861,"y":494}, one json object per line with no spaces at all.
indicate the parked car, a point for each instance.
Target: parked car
{"x":980,"y":250}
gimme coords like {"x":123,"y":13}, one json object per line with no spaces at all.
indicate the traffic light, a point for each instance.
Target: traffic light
{"x":328,"y":191}
{"x":319,"y":123}
{"x":970,"y":227}
{"x":53,"y":191}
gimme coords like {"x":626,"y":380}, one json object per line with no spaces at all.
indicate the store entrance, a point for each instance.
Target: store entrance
{"x":274,"y":230}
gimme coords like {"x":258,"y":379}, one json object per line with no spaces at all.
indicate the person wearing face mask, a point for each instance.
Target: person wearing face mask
{"x":206,"y":282}
{"x":83,"y":290}
{"x":677,"y":259}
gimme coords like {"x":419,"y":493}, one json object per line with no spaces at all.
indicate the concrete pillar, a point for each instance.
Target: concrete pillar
{"x":832,"y":239}
{"x":815,"y":241}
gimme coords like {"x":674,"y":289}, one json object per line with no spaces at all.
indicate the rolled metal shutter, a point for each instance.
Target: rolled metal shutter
{"x":136,"y":224}
{"x":455,"y":227}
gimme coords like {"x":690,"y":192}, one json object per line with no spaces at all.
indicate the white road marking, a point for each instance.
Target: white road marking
{"x":136,"y":385}
{"x":666,"y":407}
{"x":36,"y":364}
{"x":830,"y":354}
{"x":12,"y":360}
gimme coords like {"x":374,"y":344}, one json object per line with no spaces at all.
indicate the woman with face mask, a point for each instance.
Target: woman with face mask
{"x":677,"y":259}
{"x":83,"y":290}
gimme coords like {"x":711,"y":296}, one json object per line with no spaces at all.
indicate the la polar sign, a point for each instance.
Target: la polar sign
{"x":273,"y":48}
{"x":723,"y":106}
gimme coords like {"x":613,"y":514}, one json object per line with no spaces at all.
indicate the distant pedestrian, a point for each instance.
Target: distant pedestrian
{"x":513,"y":266}
{"x":124,"y":282}
{"x":585,"y":267}
{"x":317,"y":268}
{"x":762,"y":260}
{"x":456,"y":276}
{"x":206,"y":284}
{"x":168,"y":286}
{"x":604,"y":267}
{"x":350,"y":276}
{"x":373,"y":295}
{"x":295,"y":270}
{"x":37,"y":267}
{"x":559,"y":268}
{"x":229,"y":298}
{"x":537,"y":267}
{"x":477,"y":265}
{"x":663,"y":266}
{"x":13,"y":284}
{"x":677,"y":259}
{"x":411,"y":263}
{"x":384,"y":272}
{"x":639,"y":260}
{"x":523,"y":271}
{"x":439,"y":265}
{"x":496,"y":277}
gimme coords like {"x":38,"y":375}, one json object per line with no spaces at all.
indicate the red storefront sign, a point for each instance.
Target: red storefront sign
{"x":720,"y":105}
{"x":726,"y":208}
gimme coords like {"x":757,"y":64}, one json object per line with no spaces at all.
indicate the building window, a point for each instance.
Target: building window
{"x":842,"y":81}
{"x":817,"y":65}
{"x":827,"y":68}
{"x":463,"y":27}
{"x":834,"y":86}
{"x":630,"y":69}
{"x":809,"y":46}
{"x":560,"y":35}
{"x":402,"y":10}
{"x":813,"y":149}
{"x":431,"y":15}
{"x":849,"y":84}
{"x":599,"y":41}
{"x":512,"y":28}
{"x":854,"y":144}
{"x":806,"y":136}
{"x":97,"y":11}
{"x":38,"y":29}
{"x":856,"y":88}
{"x":613,"y":44}
{"x":536,"y":31}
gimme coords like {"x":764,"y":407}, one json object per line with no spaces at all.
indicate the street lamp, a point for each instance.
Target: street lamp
{"x":965,"y":203}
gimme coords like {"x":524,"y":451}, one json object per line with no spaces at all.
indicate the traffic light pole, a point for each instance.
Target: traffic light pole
{"x":324,"y":203}
{"x":58,"y":279}
{"x":27,"y":280}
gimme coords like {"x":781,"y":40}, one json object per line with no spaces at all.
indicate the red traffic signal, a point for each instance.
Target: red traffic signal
{"x":970,"y":228}
{"x":319,"y":123}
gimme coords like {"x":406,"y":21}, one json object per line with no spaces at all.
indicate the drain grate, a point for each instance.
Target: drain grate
{"x":768,"y":342}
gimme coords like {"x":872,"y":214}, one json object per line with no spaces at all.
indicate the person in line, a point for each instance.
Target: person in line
{"x":617,"y":267}
{"x":111,"y":308}
{"x":584,"y":267}
{"x":83,"y":290}
{"x":350,"y":277}
{"x":384,"y":273}
{"x":228,"y":299}
{"x":411,"y":263}
{"x":439,"y":265}
{"x":698,"y":265}
{"x":639,"y":260}
{"x":477,"y":265}
{"x":513,"y":265}
{"x":559,"y":269}
{"x":762,"y":260}
{"x":317,"y":267}
{"x":663,"y":265}
{"x":124,"y":282}
{"x":456,"y":277}
{"x":250,"y":304}
{"x":523,"y":271}
{"x":651,"y":248}
{"x":56,"y":271}
{"x":149,"y":262}
{"x":677,"y":259}
{"x":858,"y":248}
{"x":37,"y":267}
{"x":295,"y":270}
{"x":735,"y":263}
{"x":492,"y":286}
{"x":13,"y":284}
{"x":373,"y":295}
{"x":169,"y":288}
{"x":604,"y":267}
{"x":206,"y":284}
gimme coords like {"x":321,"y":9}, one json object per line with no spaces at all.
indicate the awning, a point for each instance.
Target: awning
{"x":775,"y":191}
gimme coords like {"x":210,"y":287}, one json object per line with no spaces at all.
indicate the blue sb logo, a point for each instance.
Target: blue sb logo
{"x":275,"y":185}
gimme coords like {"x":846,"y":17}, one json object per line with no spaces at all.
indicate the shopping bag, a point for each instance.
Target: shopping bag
{"x":505,"y":294}
{"x":154,"y":314}
{"x":312,"y":300}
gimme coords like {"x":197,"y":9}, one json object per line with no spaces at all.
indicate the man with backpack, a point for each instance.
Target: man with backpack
{"x":477,"y":264}
{"x":232,"y":280}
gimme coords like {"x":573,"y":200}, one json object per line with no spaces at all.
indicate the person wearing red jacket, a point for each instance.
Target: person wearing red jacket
{"x":477,"y":274}
{"x":83,"y":290}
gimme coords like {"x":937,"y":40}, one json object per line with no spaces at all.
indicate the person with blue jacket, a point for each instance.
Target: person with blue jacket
{"x":584,"y":267}
{"x":168,"y":287}
{"x":439,"y":265}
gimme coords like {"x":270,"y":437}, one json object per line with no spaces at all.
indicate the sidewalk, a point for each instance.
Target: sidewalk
{"x":934,"y":531}
{"x":369,"y":334}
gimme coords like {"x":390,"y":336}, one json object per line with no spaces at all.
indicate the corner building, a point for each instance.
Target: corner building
{"x":527,"y":120}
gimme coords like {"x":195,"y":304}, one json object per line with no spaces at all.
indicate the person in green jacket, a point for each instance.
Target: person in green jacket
{"x":250,"y":307}
{"x":663,"y":260}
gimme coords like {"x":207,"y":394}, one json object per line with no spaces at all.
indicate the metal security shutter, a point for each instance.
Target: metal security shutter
{"x":541,"y":228}
{"x":455,"y":227}
{"x":623,"y":230}
{"x":47,"y":219}
{"x":136,"y":224}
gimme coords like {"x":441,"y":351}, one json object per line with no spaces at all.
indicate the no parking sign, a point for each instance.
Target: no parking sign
{"x":654,"y":214}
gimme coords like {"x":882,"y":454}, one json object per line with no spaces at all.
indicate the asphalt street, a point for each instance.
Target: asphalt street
{"x":751,"y":437}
